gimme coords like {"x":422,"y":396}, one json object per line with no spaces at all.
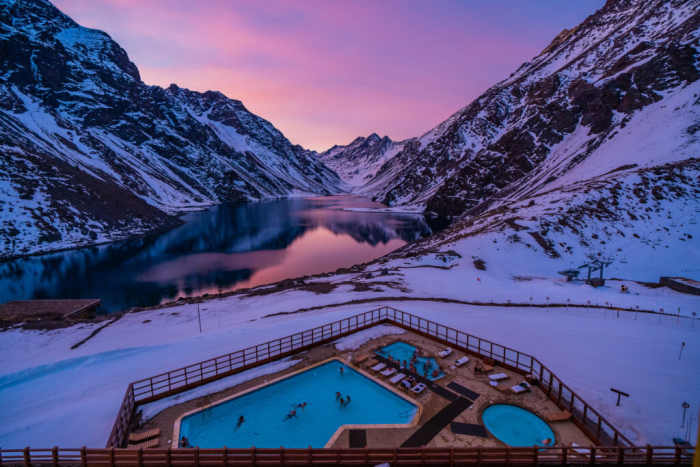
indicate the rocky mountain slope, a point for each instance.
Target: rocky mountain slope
{"x":359,"y":162}
{"x":90,"y":153}
{"x":553,"y":118}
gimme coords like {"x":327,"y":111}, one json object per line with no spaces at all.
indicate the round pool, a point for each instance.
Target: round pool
{"x":516,"y":426}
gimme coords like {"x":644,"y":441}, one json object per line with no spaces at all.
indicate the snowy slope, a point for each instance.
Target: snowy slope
{"x":76,"y":116}
{"x":561,"y":108}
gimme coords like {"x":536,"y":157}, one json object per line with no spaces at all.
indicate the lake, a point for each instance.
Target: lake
{"x":225,"y":248}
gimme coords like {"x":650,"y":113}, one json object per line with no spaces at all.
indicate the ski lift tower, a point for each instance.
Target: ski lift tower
{"x":593,"y":266}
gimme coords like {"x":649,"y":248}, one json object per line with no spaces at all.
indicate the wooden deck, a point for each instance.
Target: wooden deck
{"x":39,"y":310}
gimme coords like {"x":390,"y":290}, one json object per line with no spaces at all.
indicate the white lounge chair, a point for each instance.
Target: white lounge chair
{"x":521,"y":388}
{"x":388,"y":372}
{"x":418,"y":388}
{"x":445,"y":353}
{"x":378,"y":367}
{"x":462,"y":361}
{"x":397,"y":378}
{"x":405,"y":383}
{"x":498,"y":377}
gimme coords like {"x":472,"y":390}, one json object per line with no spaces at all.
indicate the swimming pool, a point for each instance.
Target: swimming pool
{"x":264,"y":411}
{"x":403,"y":351}
{"x":516,"y":426}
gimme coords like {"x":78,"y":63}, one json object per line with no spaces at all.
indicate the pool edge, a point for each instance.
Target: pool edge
{"x":341,"y":428}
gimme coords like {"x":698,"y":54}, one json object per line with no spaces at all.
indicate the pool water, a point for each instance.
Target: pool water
{"x":516,"y":426}
{"x":401,"y":351}
{"x":265,"y":409}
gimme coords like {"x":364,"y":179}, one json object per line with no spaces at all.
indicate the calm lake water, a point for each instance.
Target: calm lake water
{"x":222,"y":249}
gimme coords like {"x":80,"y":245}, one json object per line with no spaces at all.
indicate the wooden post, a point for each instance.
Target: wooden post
{"x":112,"y":461}
{"x":83,"y":456}
{"x":54,"y":455}
{"x":452,"y":456}
{"x":535,"y":455}
{"x":282,"y":462}
{"x":592,"y":459}
{"x":169,"y":457}
{"x":139,"y":457}
{"x":564,"y":455}
{"x":253,"y":459}
{"x":650,"y":453}
{"x":559,"y":396}
{"x":677,"y":456}
{"x":620,"y":455}
{"x":196,"y":456}
{"x":27,"y":457}
{"x":225,"y":460}
{"x":598,"y":431}
{"x":309,"y":458}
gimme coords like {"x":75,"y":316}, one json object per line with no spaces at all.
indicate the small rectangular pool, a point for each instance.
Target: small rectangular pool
{"x":265,"y":410}
{"x":403,"y":351}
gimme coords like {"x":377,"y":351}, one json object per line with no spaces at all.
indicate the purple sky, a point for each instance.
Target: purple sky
{"x":327,"y":71}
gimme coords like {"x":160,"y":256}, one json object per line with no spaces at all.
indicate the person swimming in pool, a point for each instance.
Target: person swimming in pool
{"x":342,"y":401}
{"x":184,"y":442}
{"x":337,"y":395}
{"x":347,"y":401}
{"x":292,"y":414}
{"x":241,"y":419}
{"x":547,"y":441}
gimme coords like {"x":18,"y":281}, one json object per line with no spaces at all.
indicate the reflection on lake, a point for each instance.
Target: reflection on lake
{"x":225,"y":248}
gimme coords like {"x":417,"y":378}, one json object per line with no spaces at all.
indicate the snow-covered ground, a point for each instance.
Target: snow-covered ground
{"x":52,"y":395}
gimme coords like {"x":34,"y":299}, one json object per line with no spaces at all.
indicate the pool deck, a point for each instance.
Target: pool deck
{"x":431,"y":401}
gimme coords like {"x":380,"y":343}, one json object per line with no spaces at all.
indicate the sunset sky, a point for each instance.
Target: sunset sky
{"x":325,"y":72}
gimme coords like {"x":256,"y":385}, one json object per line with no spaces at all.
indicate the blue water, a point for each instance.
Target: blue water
{"x":516,"y":426}
{"x":401,"y":351}
{"x":264,"y":411}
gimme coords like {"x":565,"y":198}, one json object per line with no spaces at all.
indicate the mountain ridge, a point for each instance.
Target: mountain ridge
{"x":73,"y":110}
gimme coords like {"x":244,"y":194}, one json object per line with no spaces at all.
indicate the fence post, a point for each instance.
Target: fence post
{"x":112,"y":460}
{"x":169,"y":457}
{"x":54,"y":455}
{"x":83,"y":456}
{"x":677,"y":456}
{"x":27,"y":457}
{"x":650,"y":453}
{"x":592,"y":460}
{"x":452,"y":456}
{"x":196,"y":456}
{"x":620,"y":455}
{"x":139,"y":457}
{"x":253,"y":459}
{"x":564,"y":456}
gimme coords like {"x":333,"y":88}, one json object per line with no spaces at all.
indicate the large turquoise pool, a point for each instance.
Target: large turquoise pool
{"x":516,"y":426}
{"x":403,"y":351}
{"x":265,"y":409}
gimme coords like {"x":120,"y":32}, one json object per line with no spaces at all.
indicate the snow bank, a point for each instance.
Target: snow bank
{"x":354,"y":341}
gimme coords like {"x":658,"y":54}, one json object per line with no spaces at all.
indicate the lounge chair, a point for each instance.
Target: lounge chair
{"x":388,"y":372}
{"x":378,"y":367}
{"x":521,"y":388}
{"x":406,"y":384}
{"x":360,"y":359}
{"x":418,"y":388}
{"x":151,"y":443}
{"x":462,"y":361}
{"x":144,"y":435}
{"x":445,"y":353}
{"x":397,"y":378}
{"x":498,"y":377}
{"x":562,"y":416}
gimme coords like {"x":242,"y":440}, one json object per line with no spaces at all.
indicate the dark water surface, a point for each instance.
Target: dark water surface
{"x":225,"y":248}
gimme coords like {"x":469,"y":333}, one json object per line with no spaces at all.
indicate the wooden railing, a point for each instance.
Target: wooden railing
{"x":585,"y":416}
{"x":400,"y":456}
{"x":197,"y":374}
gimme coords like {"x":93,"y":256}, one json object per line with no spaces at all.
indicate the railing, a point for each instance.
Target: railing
{"x":585,"y":416}
{"x":399,"y":456}
{"x":197,"y":374}
{"x":179,"y":380}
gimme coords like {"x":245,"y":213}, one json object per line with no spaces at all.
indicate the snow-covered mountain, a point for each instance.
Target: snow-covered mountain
{"x":619,"y":89}
{"x":359,"y":162}
{"x":91,"y":153}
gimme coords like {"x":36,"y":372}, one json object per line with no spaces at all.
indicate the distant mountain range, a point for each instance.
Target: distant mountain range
{"x":594,"y":138}
{"x":554,"y":120}
{"x":90,"y":153}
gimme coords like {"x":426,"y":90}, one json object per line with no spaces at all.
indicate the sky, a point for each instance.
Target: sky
{"x":326,"y":71}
